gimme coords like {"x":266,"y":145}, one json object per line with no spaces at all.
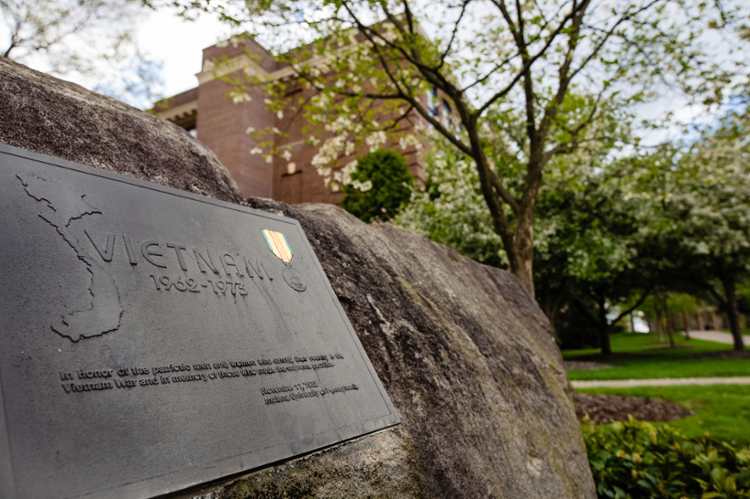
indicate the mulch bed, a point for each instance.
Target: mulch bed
{"x":577,"y":365}
{"x":604,"y":409}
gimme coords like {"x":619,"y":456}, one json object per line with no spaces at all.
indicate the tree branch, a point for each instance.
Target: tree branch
{"x":527,"y":65}
{"x":504,"y":194}
{"x":638,"y":303}
{"x":464,"y":4}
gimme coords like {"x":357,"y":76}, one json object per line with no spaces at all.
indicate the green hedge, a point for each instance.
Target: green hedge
{"x":643,"y":460}
{"x":391,"y":186}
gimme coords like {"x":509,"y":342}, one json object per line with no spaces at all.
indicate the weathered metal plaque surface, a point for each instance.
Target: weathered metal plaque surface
{"x":152,"y":339}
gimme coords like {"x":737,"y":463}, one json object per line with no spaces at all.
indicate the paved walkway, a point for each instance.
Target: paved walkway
{"x":716,"y":336}
{"x":631,"y":383}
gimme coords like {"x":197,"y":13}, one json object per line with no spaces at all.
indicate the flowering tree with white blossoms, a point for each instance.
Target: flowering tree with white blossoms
{"x":389,"y":69}
{"x":587,"y":232}
{"x":699,"y":193}
{"x":595,"y":260}
{"x":450,"y":208}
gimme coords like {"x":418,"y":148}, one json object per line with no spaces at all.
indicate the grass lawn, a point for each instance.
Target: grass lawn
{"x":722,"y":410}
{"x":645,"y":358}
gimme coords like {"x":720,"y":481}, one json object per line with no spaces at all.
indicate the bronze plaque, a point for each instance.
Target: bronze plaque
{"x":152,"y":339}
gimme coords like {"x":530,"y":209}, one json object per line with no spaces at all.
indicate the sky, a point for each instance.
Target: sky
{"x":179,"y":44}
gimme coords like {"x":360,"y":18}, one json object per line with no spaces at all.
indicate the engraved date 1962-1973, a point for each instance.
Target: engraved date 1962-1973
{"x":164,"y":283}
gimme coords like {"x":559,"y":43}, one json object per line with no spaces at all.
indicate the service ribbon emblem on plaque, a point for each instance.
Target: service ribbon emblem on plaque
{"x":279,"y":246}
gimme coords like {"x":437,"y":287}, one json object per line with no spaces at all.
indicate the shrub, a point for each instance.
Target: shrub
{"x":642,"y":460}
{"x":391,"y":186}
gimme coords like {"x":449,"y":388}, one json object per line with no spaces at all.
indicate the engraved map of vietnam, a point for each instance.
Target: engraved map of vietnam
{"x":59,"y":210}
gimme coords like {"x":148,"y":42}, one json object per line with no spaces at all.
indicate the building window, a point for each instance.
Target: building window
{"x":432,"y":102}
{"x":447,"y":114}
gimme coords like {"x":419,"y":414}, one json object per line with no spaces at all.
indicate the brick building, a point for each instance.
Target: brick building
{"x":212,"y":117}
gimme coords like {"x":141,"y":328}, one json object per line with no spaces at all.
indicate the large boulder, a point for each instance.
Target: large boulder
{"x":463,"y":350}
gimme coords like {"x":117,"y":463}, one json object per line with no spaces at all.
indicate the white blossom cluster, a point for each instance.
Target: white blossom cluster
{"x":459,"y":217}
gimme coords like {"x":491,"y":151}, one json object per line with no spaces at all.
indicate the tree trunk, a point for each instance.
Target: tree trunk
{"x":522,"y":265}
{"x":701,"y":324}
{"x":671,"y":329}
{"x":518,"y":243}
{"x":632,"y":323}
{"x":734,"y":317}
{"x":551,"y":313}
{"x":686,"y":325}
{"x":657,"y":322}
{"x":550,"y":304}
{"x":604,"y":344}
{"x":669,"y":322}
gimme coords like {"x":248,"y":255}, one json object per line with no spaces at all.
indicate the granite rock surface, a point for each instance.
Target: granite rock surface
{"x":46,"y":115}
{"x":464,"y":352}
